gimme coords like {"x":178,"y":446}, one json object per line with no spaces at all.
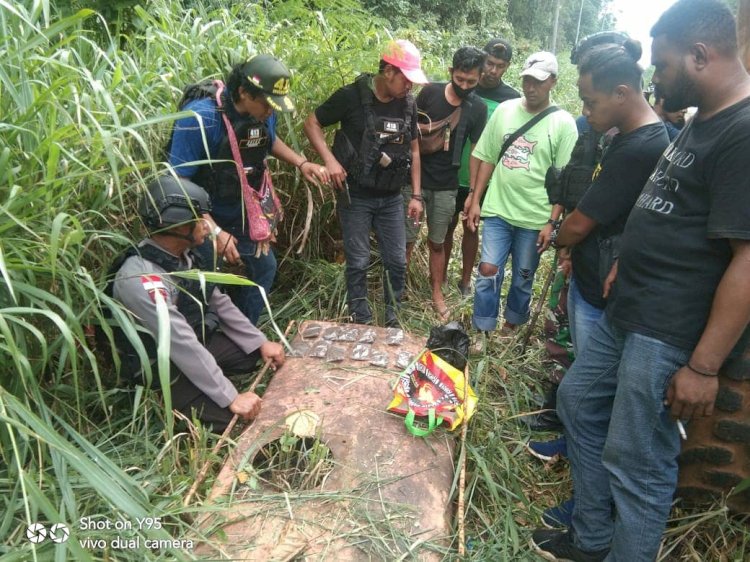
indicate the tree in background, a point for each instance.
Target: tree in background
{"x":483,"y":18}
{"x":533,"y":20}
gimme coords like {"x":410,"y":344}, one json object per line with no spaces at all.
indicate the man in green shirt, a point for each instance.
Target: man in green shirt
{"x":493,"y":91}
{"x":518,"y":218}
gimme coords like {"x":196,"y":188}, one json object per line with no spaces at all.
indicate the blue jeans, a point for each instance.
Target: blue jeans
{"x":582,"y":317}
{"x":384,"y":215}
{"x":499,"y":240}
{"x":260,"y":270}
{"x":622,"y":444}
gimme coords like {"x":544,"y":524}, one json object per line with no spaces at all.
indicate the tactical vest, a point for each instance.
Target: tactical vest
{"x":388,"y":136}
{"x":192,"y":303}
{"x":569,"y":185}
{"x":219,"y":177}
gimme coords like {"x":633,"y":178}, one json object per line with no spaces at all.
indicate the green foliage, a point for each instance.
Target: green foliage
{"x":483,"y":18}
{"x":84,"y":120}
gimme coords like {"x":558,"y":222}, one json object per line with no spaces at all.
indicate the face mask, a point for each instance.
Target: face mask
{"x":462,"y":93}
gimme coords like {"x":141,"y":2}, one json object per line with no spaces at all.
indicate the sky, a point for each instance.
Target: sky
{"x":636,"y":18}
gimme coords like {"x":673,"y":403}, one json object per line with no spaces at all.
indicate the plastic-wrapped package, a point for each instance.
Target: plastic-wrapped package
{"x":361,"y":352}
{"x":332,"y":333}
{"x":311,"y":331}
{"x":379,"y":359}
{"x":301,"y":349}
{"x":404,"y":359}
{"x":394,"y":336}
{"x":348,"y":334}
{"x":336,"y":353}
{"x":368,"y":336}
{"x":320,"y":349}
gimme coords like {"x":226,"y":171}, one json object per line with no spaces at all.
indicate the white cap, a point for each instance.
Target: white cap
{"x":540,"y":65}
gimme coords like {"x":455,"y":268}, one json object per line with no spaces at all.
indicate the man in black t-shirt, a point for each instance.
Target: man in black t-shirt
{"x":491,"y":86}
{"x":493,"y":91}
{"x":682,"y":299}
{"x":450,"y":115}
{"x":374,"y":154}
{"x":609,"y":86}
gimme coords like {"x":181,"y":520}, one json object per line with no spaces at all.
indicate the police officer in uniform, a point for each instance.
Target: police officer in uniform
{"x":208,"y":335}
{"x":254,"y":92}
{"x":374,"y":155}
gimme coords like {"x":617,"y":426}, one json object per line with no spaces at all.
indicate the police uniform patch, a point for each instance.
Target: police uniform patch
{"x":153,"y":284}
{"x":255,"y":137}
{"x":388,"y":127}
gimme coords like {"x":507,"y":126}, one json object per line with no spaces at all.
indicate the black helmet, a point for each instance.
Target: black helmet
{"x":169,"y":201}
{"x":600,"y":38}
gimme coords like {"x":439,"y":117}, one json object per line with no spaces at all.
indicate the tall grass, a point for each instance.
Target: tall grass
{"x":83,"y":119}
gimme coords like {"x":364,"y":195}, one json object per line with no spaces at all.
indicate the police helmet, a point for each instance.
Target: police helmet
{"x":600,"y":38}
{"x":169,"y":201}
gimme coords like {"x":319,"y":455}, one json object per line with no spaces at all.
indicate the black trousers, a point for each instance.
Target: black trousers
{"x":186,"y":397}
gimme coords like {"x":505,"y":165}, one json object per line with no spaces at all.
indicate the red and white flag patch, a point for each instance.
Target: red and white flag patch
{"x":152,"y":284}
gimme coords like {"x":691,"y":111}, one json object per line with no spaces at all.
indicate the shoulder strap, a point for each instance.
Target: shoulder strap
{"x":590,"y":143}
{"x":363,"y":88}
{"x":115,"y":267}
{"x":411,"y":107}
{"x":247,"y":192}
{"x":524,"y":128}
{"x":365,"y":97}
{"x":463,"y":123}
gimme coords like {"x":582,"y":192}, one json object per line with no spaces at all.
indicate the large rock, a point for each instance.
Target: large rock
{"x":382,"y":495}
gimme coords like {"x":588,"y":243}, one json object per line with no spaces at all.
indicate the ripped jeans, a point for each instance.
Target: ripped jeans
{"x":501,"y":239}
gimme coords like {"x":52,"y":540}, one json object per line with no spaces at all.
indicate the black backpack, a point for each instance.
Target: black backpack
{"x":191,"y":92}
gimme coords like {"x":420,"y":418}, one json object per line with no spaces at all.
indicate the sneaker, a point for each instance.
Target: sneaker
{"x":557,"y":545}
{"x":543,"y":421}
{"x":392,"y":323}
{"x":559,"y":515}
{"x":548,"y":450}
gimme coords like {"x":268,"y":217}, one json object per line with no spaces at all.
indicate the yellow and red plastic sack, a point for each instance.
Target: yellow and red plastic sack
{"x":433,"y":389}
